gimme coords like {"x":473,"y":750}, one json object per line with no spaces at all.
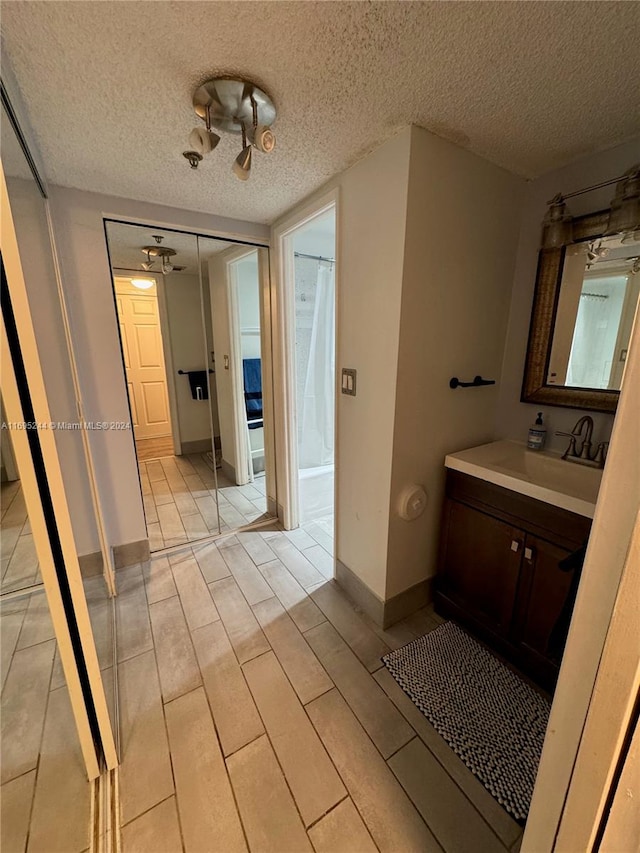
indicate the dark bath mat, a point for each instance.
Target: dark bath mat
{"x":492,"y":719}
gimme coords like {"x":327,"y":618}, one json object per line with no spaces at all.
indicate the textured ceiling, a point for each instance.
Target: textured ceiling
{"x":530,"y":86}
{"x":126,"y":242}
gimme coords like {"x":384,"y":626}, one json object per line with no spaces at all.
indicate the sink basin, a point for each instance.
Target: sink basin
{"x":543,"y":475}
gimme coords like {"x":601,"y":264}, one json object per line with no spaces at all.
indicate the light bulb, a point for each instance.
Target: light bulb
{"x":264,"y":139}
{"x":203,"y":141}
{"x":242,"y":164}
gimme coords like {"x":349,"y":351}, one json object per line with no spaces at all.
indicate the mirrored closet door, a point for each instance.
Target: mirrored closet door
{"x":191,"y":315}
{"x":56,"y":616}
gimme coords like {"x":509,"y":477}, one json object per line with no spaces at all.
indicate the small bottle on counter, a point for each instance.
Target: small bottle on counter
{"x":537,"y":434}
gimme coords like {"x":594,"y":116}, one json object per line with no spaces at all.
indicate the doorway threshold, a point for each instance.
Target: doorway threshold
{"x":271,"y":522}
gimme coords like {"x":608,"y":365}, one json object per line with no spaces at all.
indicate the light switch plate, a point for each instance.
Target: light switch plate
{"x":348,"y":385}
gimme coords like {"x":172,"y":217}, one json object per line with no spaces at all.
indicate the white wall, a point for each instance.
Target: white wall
{"x":189,"y":352}
{"x":513,"y":417}
{"x":80,"y":237}
{"x":461,"y":237}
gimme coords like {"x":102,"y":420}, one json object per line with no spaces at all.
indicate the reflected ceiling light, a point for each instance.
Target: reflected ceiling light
{"x":232,"y":105}
{"x":159,"y":253}
{"x":624,"y":216}
{"x":142,"y":283}
{"x":596,"y":252}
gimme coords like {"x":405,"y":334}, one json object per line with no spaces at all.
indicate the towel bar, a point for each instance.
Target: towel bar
{"x":477,"y":381}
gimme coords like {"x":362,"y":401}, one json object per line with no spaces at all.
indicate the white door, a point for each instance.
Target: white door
{"x":141,"y":337}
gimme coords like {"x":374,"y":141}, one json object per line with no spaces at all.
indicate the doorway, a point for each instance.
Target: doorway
{"x":310,"y":272}
{"x":143,"y":352}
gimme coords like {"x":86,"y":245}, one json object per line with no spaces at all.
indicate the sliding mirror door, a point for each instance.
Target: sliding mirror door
{"x":56,"y":614}
{"x":235,"y":294}
{"x":189,"y":311}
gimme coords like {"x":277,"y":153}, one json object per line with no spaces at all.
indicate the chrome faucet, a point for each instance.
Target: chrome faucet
{"x":583,"y":457}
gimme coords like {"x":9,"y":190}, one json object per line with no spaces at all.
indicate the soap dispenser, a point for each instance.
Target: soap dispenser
{"x":537,"y":434}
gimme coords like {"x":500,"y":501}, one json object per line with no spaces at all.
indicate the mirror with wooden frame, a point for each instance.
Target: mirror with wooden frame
{"x":585,"y":301}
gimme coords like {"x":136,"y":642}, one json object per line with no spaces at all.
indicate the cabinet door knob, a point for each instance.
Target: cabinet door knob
{"x":528,"y":554}
{"x":515,"y":545}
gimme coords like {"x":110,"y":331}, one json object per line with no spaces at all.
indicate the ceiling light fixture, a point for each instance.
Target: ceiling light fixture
{"x":159,"y":253}
{"x":232,"y":105}
{"x":624,"y":216}
{"x":142,"y":283}
{"x":242,"y":164}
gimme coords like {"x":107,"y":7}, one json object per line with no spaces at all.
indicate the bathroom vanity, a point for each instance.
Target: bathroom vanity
{"x":514,"y":522}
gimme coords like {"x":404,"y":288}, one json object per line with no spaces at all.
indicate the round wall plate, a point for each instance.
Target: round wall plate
{"x":230,"y":104}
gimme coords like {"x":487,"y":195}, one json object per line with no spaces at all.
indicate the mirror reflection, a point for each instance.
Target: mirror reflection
{"x":598,"y":298}
{"x":189,"y":312}
{"x":43,"y":765}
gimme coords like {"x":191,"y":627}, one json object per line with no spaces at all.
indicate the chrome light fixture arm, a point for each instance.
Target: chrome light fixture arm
{"x":231,"y":105}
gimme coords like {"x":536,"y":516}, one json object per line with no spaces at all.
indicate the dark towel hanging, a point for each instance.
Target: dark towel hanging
{"x":198,"y":384}
{"x":252,"y":376}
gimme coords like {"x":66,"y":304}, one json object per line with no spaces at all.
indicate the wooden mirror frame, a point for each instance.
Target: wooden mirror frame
{"x":543,"y":318}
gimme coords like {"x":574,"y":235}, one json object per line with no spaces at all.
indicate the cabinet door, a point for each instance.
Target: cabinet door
{"x":480,"y":567}
{"x":544,"y":591}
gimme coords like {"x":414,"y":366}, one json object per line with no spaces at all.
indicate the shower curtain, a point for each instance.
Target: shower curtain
{"x":316,"y":442}
{"x":594,"y":341}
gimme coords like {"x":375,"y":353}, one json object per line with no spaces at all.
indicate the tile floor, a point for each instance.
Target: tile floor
{"x":45,"y":798}
{"x":17,"y":551}
{"x":181,"y":502}
{"x":256,"y":714}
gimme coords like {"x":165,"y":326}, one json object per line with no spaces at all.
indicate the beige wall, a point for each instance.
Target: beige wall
{"x":29,"y":215}
{"x":218,"y":294}
{"x":189,"y":352}
{"x":80,"y":237}
{"x":567,"y":313}
{"x":461,"y":237}
{"x":370,"y":233}
{"x":426,"y":239}
{"x":513,"y":417}
{"x":370,"y":246}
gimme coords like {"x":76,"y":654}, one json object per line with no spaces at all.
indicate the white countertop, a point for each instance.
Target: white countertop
{"x":540,"y":474}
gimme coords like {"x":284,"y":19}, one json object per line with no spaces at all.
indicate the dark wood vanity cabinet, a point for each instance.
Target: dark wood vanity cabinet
{"x":499,"y":572}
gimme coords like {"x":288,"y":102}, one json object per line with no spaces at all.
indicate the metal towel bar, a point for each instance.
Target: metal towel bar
{"x":477,"y":381}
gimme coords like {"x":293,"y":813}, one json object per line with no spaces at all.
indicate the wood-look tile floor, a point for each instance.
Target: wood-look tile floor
{"x":154,"y":448}
{"x":17,"y":550}
{"x":257,"y":715}
{"x":45,"y":798}
{"x":181,"y":502}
